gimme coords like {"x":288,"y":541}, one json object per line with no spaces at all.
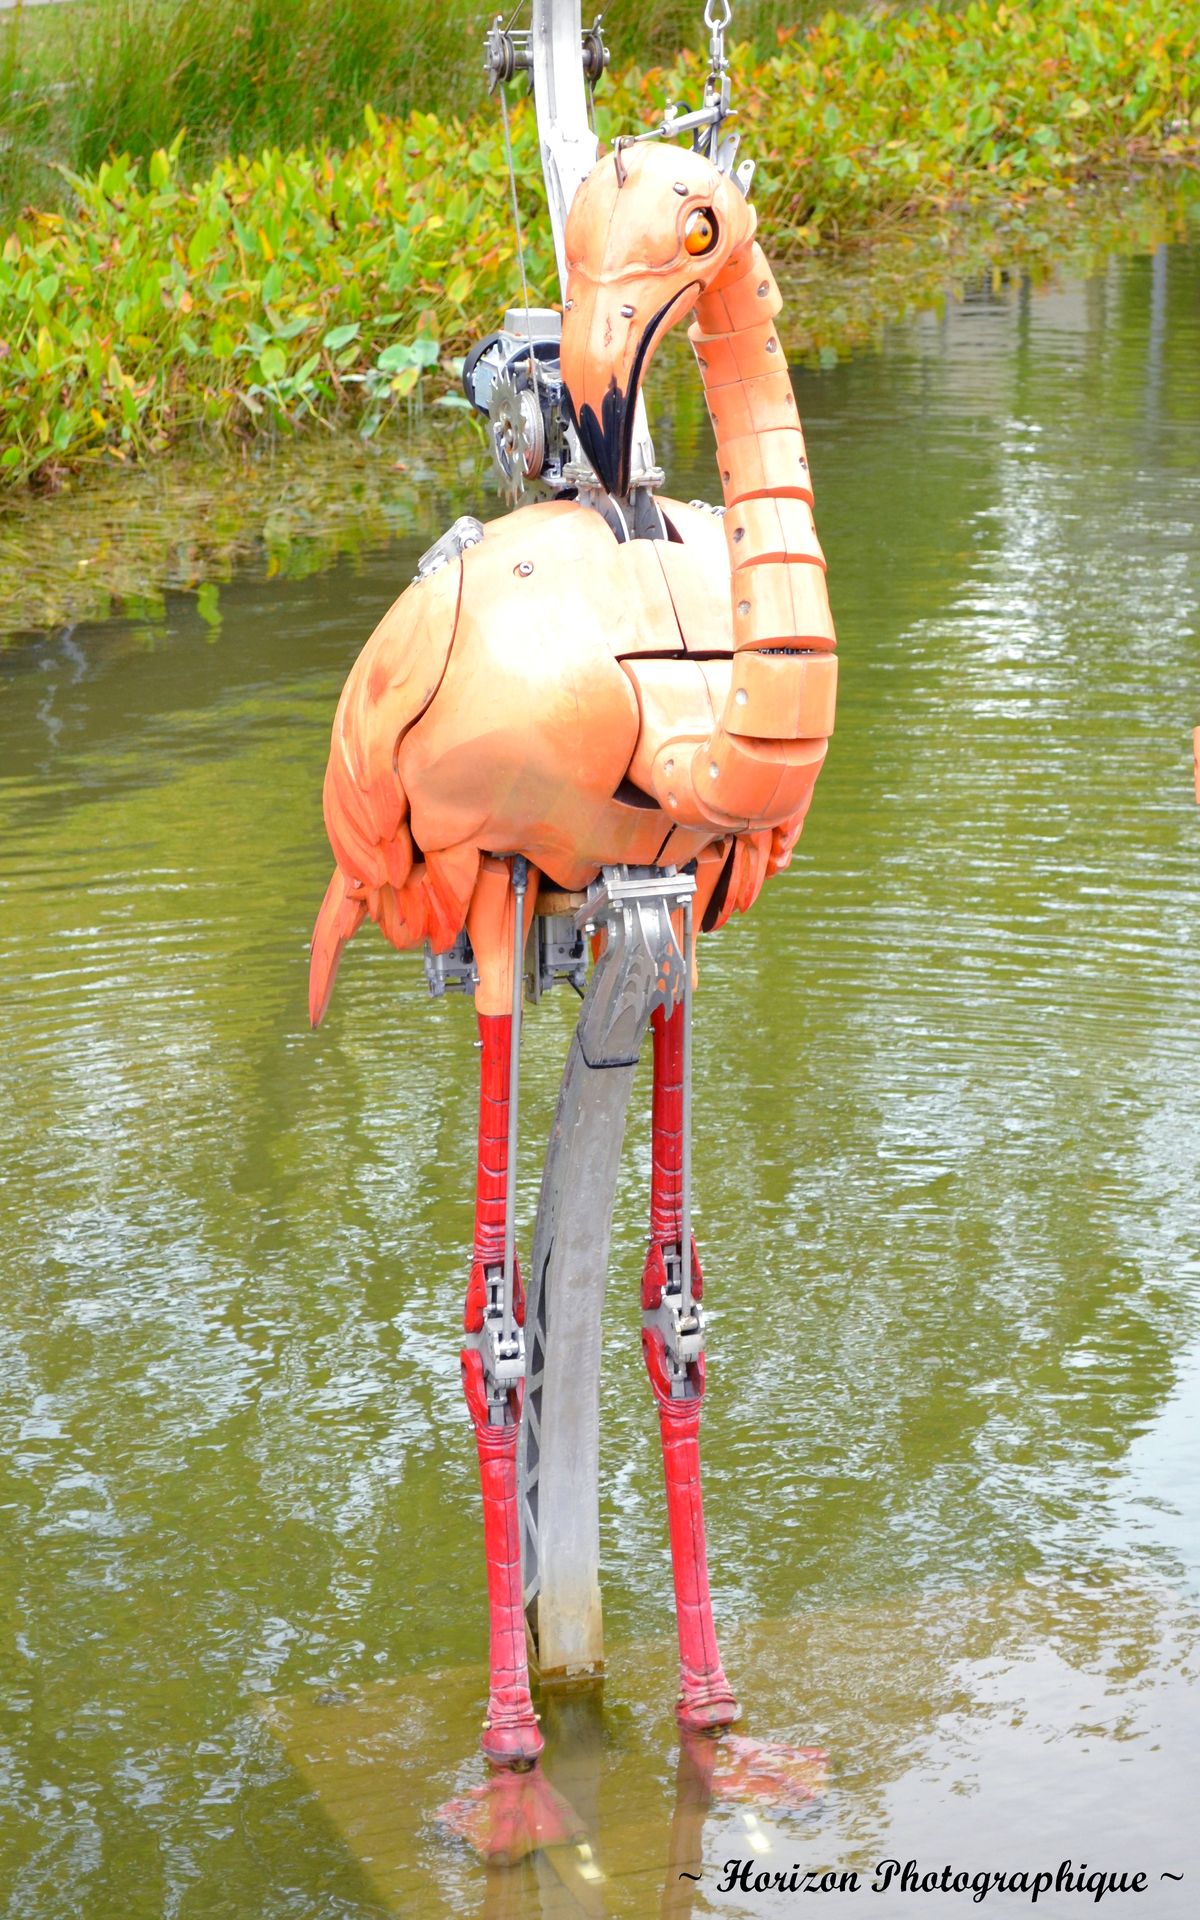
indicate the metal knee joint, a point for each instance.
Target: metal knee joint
{"x":501,"y":1349}
{"x":677,"y":1318}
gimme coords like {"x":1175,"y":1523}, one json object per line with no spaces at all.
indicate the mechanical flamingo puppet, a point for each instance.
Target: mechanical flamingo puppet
{"x":585,"y":690}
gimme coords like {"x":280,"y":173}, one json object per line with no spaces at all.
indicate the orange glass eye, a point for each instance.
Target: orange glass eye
{"x":700,"y":231}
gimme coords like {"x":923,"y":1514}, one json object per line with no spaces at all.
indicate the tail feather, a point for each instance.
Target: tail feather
{"x":338,"y":921}
{"x":411,"y":895}
{"x":447,"y":883}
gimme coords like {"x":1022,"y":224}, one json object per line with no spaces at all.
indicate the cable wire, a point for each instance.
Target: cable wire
{"x":512,"y":182}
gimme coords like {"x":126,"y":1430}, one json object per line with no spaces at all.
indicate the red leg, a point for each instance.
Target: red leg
{"x":705,"y":1696}
{"x":510,"y":1735}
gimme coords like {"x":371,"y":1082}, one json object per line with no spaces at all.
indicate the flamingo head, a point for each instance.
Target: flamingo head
{"x":651,"y":229}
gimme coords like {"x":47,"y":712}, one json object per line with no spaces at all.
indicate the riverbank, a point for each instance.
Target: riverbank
{"x":115,"y":539}
{"x":334,"y":286}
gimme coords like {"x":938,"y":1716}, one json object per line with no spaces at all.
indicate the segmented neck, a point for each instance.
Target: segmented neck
{"x":777,"y":567}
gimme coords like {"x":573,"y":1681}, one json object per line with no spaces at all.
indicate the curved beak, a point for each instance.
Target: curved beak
{"x":609,"y":333}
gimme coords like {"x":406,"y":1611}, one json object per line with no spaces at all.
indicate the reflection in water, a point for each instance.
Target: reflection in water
{"x":948,"y":1127}
{"x":1002,"y":1727}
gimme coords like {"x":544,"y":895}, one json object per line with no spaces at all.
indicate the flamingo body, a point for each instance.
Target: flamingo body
{"x":527,"y":697}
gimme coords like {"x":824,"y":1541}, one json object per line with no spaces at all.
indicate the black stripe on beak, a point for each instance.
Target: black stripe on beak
{"x":608,"y":441}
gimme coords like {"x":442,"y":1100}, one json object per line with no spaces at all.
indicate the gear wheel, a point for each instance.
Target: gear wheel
{"x":518,"y":435}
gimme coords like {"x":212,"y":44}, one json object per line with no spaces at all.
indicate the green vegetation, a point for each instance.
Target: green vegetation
{"x":289,"y":286}
{"x":125,"y":75}
{"x":119,"y":537}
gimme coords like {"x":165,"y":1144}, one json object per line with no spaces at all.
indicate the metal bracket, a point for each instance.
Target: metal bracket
{"x":682,"y":1330}
{"x":508,"y":52}
{"x":557,"y":951}
{"x":503,"y":1353}
{"x":454,"y":971}
{"x":644,"y":966}
{"x":466,"y":532}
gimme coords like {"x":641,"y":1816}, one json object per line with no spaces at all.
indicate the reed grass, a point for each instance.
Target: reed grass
{"x":125,"y":76}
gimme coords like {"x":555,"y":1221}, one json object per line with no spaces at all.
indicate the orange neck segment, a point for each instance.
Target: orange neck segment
{"x":778,"y":570}
{"x":755,"y":773}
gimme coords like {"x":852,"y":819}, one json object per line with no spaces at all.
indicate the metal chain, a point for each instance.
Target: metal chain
{"x":717,"y":16}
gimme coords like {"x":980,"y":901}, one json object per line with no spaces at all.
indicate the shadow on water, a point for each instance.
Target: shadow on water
{"x":947,"y":1165}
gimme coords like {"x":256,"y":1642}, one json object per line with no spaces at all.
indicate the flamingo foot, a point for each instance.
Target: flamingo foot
{"x":512,"y":1815}
{"x":706,"y":1701}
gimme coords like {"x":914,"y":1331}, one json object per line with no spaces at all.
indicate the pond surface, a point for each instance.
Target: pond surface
{"x":947,"y":1141}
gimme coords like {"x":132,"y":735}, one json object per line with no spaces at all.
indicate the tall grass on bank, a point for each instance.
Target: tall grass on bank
{"x":238,"y":75}
{"x":291,"y":286}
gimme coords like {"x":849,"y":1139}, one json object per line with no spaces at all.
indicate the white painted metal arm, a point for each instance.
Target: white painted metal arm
{"x":568,"y":145}
{"x":569,"y":148}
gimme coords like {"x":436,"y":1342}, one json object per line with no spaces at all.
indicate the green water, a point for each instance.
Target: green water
{"x":947,"y":1144}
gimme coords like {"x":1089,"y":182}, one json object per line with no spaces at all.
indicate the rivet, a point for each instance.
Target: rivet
{"x":669,"y":768}
{"x":681,"y":190}
{"x":725,"y":475}
{"x":772,"y":345}
{"x":671,"y":800}
{"x":567,"y":305}
{"x":743,"y":606}
{"x":764,"y":290}
{"x":627,"y":313}
{"x":740,"y":697}
{"x":714,"y":770}
{"x":739,"y":533}
{"x":523,"y":568}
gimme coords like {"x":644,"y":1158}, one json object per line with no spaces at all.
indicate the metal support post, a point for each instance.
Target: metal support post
{"x":569,"y":150}
{"x":641,"y":968}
